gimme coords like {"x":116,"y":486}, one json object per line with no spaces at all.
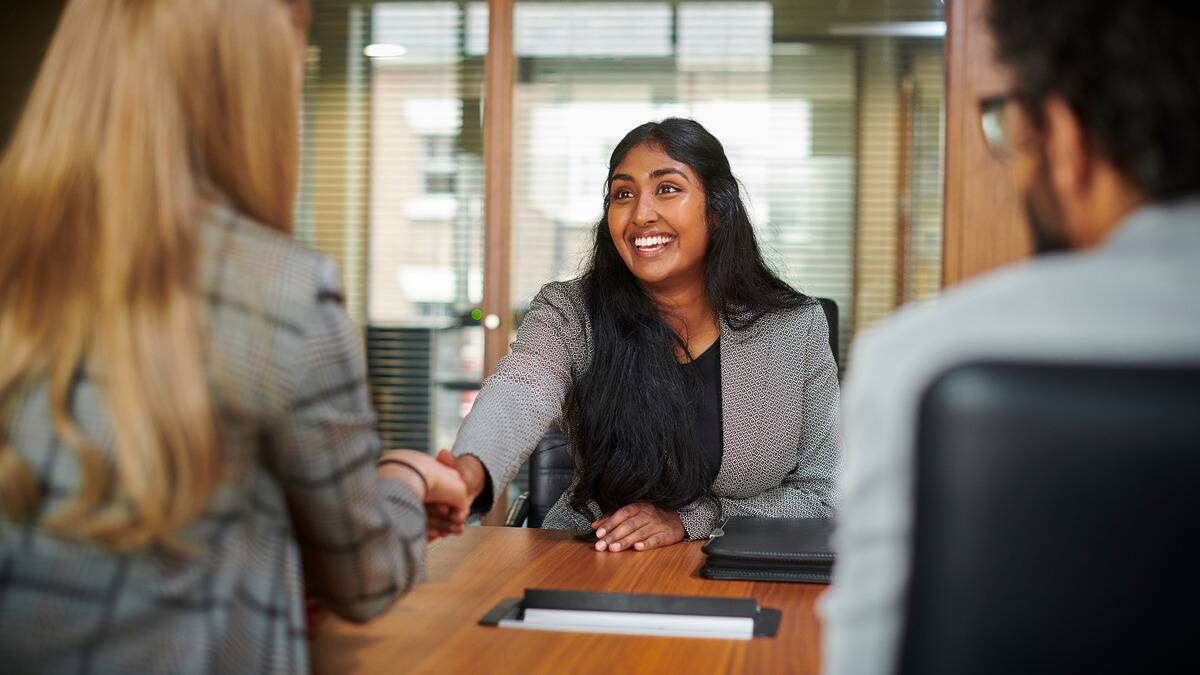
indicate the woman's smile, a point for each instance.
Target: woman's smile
{"x":657,"y":219}
{"x":652,"y":244}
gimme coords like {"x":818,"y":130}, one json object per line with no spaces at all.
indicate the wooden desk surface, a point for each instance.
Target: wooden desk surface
{"x":434,"y":628}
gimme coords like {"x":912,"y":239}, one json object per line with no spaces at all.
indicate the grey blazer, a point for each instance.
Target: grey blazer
{"x":301,"y":507}
{"x":779,"y":398}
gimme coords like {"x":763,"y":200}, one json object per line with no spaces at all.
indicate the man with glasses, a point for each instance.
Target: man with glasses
{"x":1101,"y":127}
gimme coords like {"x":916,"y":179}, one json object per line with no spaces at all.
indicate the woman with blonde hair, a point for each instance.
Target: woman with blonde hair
{"x":186,"y":440}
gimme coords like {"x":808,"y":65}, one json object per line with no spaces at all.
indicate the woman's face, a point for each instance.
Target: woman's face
{"x":656,"y":217}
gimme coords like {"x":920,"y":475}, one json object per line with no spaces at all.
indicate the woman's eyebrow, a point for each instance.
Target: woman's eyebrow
{"x":657,"y":173}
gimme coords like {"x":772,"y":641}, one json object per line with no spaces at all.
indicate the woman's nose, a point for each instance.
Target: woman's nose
{"x":645,"y":214}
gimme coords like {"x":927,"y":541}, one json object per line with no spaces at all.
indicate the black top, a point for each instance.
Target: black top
{"x":709,"y":426}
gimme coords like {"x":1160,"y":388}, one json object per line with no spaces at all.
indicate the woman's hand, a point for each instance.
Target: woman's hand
{"x":439,"y":486}
{"x":639,"y":526}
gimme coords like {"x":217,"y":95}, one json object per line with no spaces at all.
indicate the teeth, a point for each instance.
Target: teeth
{"x":646,"y":242}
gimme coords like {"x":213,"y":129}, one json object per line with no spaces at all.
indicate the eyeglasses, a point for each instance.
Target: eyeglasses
{"x":993,"y":120}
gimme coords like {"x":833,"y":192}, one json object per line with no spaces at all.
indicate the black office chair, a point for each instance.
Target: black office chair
{"x":1057,"y":522}
{"x":551,"y":468}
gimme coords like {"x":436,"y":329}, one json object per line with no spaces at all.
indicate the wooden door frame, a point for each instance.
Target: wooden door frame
{"x":983,"y":218}
{"x":499,"y":65}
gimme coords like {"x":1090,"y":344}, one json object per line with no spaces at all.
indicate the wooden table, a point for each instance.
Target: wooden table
{"x":434,"y":628}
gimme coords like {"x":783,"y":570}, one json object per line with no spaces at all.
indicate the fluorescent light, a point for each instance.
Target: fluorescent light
{"x":920,"y":29}
{"x":384,"y":51}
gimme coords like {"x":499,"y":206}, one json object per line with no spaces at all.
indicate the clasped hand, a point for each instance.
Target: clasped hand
{"x":640,"y":526}
{"x":440,"y":487}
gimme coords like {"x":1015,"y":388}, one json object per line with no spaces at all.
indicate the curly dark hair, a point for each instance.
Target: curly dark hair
{"x":1130,"y":71}
{"x":632,"y":412}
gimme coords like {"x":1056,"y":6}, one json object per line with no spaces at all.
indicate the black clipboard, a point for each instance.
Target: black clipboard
{"x":765,"y":619}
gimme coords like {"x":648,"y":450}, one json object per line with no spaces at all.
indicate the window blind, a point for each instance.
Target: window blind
{"x":392,"y":188}
{"x":830,"y":112}
{"x":805,"y":97}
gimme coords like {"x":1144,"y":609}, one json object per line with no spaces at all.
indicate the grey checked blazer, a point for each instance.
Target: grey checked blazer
{"x":779,"y":399}
{"x":301,"y":494}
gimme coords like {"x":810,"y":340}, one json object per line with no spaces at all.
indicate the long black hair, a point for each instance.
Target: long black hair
{"x":632,"y":412}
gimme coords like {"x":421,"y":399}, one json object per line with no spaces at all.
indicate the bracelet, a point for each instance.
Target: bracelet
{"x":411,"y":467}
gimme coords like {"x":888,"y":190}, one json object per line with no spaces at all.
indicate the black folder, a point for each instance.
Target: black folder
{"x":765,"y":620}
{"x":771,"y":549}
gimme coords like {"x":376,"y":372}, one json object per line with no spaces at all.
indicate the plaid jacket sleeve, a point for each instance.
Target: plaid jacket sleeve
{"x":361,"y":537}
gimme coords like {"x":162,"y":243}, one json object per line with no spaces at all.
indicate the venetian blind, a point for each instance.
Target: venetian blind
{"x":392,"y":188}
{"x":807,"y":98}
{"x":831,"y":113}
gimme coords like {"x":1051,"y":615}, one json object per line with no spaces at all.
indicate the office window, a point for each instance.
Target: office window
{"x":393,"y":189}
{"x":925,"y":86}
{"x":439,"y":164}
{"x":831,"y":113}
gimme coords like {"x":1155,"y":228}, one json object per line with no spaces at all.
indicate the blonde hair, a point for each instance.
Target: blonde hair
{"x":144,"y":114}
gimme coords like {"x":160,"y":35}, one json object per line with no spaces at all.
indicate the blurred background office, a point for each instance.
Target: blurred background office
{"x":832,"y":112}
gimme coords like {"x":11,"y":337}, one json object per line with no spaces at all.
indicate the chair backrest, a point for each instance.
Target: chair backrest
{"x":551,"y":468}
{"x":1057,"y":521}
{"x":831,"y":317}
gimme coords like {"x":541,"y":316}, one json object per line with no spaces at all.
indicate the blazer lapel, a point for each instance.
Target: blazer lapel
{"x":745,"y":358}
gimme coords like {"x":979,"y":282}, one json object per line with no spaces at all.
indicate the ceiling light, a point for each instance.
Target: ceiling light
{"x":384,"y":51}
{"x":919,"y":29}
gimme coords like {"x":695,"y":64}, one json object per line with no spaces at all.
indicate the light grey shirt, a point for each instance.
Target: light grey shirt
{"x":1135,"y":299}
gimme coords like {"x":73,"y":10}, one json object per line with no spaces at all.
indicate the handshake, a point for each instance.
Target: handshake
{"x":446,"y":484}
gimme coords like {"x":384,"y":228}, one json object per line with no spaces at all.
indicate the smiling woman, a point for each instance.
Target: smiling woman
{"x":656,"y":218}
{"x":693,"y":382}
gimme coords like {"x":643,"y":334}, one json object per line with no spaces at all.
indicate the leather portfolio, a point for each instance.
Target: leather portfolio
{"x":635,"y":614}
{"x":771,"y":549}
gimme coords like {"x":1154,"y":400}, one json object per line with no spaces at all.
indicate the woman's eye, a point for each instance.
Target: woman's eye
{"x":622,"y":194}
{"x":667,"y":189}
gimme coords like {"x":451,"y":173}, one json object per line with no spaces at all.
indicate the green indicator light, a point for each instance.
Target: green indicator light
{"x":477,"y":314}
